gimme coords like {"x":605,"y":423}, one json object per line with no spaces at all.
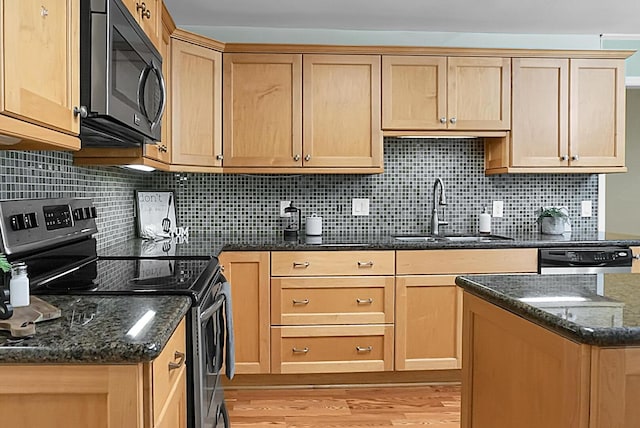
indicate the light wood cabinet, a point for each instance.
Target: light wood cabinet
{"x":249,"y":274}
{"x":332,"y":311}
{"x":40,"y":75}
{"x":302,"y":112}
{"x":429,"y":304}
{"x":445,"y":93}
{"x":568,"y":116}
{"x":148,"y":13}
{"x":635,"y":267}
{"x":144,"y":395}
{"x":196,"y":105}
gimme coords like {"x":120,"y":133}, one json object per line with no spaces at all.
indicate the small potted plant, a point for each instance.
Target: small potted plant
{"x":552,"y":220}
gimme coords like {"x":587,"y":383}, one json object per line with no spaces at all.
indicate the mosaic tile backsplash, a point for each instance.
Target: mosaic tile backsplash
{"x":400,"y":198}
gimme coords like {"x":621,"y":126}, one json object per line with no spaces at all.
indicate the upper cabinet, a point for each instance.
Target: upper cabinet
{"x":148,"y":13}
{"x":445,"y":93}
{"x":302,"y":113}
{"x":568,"y":116}
{"x":196,"y":102}
{"x":40,"y":75}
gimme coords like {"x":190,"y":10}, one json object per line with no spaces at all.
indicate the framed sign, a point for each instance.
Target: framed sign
{"x":156,"y":209}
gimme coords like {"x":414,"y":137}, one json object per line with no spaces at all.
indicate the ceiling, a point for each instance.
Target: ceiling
{"x":468,"y":16}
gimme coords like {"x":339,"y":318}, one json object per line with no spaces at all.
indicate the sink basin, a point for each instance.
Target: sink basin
{"x":417,"y":238}
{"x":476,"y":238}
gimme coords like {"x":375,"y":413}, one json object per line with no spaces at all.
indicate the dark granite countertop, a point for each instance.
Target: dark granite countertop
{"x":213,"y":244}
{"x":93,"y":329}
{"x":601,"y":310}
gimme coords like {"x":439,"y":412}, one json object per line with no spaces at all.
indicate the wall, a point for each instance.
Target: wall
{"x":52,"y":175}
{"x":622,"y":199}
{"x":400,"y":198}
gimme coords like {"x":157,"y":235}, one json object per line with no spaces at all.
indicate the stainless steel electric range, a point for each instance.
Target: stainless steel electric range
{"x":54,"y":237}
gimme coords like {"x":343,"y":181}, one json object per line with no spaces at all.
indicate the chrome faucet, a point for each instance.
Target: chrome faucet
{"x":435,"y":221}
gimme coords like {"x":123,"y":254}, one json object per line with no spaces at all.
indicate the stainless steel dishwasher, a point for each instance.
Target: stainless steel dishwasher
{"x":585,"y":260}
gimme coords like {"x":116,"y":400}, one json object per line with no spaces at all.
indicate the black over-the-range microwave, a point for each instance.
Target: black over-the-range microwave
{"x":122,"y":90}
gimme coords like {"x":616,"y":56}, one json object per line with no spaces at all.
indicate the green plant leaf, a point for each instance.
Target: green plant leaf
{"x":551,"y":212}
{"x":5,"y":266}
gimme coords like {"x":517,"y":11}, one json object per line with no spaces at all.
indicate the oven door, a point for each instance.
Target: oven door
{"x":210,"y":411}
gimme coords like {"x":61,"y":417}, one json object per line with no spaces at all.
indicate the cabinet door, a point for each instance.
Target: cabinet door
{"x":428,"y":323}
{"x":150,"y":19}
{"x":263,"y":110}
{"x":341,"y":123}
{"x":161,"y":151}
{"x":248,"y":273}
{"x":196,"y":82}
{"x":478,"y":93}
{"x":414,"y":92}
{"x":597,"y":110}
{"x":41,"y":50}
{"x":175,"y":415}
{"x":539,"y":128}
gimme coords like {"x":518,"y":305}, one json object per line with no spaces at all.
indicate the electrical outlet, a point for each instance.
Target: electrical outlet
{"x":586,"y":209}
{"x":283,"y":205}
{"x":359,"y":206}
{"x":498,"y":209}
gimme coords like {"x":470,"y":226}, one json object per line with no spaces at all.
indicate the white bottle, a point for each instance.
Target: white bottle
{"x":485,"y":221}
{"x":19,"y":285}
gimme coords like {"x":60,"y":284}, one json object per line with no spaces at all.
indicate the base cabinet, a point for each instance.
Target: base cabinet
{"x":145,"y":395}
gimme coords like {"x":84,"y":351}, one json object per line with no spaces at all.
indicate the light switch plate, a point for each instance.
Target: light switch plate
{"x":283,"y":205}
{"x":498,"y":209}
{"x":359,"y":206}
{"x":586,"y":209}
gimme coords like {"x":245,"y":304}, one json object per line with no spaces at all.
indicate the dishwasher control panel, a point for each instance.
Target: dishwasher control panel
{"x":585,"y":259}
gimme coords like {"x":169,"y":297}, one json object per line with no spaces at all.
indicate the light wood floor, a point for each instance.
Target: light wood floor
{"x":437,"y":406}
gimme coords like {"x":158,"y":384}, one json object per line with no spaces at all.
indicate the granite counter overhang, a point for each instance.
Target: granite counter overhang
{"x":93,"y":330}
{"x":506,"y":291}
{"x":207,"y":245}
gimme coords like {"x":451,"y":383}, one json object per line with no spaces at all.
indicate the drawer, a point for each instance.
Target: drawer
{"x":164,"y":375}
{"x":332,"y":300}
{"x":316,"y":263}
{"x":332,"y":349}
{"x":504,"y":260}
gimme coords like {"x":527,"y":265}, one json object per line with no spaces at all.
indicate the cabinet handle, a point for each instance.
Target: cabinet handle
{"x":575,"y":157}
{"x":177,"y":356}
{"x":141,"y":7}
{"x":300,"y":351}
{"x":443,"y":120}
{"x":80,"y":111}
{"x":364,"y":349}
{"x":564,"y":157}
{"x":301,"y":265}
{"x":453,"y":120}
{"x":219,"y":157}
{"x":365,"y":264}
{"x":636,"y":256}
{"x":161,"y":147}
{"x":146,"y":14}
{"x":44,"y":12}
{"x":363,"y":301}
{"x":307,"y":158}
{"x":301,"y":302}
{"x":296,"y":158}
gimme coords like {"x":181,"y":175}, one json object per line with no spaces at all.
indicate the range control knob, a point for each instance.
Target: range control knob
{"x":78,"y":214}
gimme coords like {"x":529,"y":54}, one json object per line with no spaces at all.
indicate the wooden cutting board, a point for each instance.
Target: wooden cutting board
{"x":23,"y":322}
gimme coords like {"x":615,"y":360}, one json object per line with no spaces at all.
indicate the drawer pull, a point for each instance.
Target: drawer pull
{"x":364,"y":349}
{"x":301,"y":302}
{"x":365,"y":264}
{"x":300,"y":351}
{"x":300,"y":265}
{"x":178,"y":356}
{"x":365,"y":301}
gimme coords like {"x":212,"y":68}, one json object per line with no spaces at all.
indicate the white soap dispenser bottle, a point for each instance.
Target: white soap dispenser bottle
{"x":485,"y":221}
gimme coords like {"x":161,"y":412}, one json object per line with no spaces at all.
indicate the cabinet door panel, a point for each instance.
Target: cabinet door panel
{"x":478,"y":93}
{"x":248,"y":272}
{"x":263,"y":114}
{"x":41,"y":62}
{"x":597,"y":107}
{"x":428,"y":323}
{"x":414,"y":92}
{"x":196,"y":82}
{"x":341,"y":124}
{"x":539,"y":129}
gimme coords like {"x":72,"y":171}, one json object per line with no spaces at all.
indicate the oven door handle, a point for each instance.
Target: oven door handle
{"x":215,"y":307}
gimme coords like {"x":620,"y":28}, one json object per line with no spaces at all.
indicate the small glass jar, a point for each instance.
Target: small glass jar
{"x":19,"y":285}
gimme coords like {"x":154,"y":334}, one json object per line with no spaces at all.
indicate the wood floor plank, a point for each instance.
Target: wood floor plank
{"x":436,"y":406}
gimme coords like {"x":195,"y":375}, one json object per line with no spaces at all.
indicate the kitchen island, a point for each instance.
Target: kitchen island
{"x":551,"y":351}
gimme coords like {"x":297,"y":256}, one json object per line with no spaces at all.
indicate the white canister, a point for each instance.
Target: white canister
{"x":313,"y":225}
{"x":19,"y":285}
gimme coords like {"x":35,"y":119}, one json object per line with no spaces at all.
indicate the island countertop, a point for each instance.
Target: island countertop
{"x":96,"y":330}
{"x":600,"y":310}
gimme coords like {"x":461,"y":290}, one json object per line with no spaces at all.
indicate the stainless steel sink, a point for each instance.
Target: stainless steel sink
{"x":452,"y":238}
{"x":417,"y":238}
